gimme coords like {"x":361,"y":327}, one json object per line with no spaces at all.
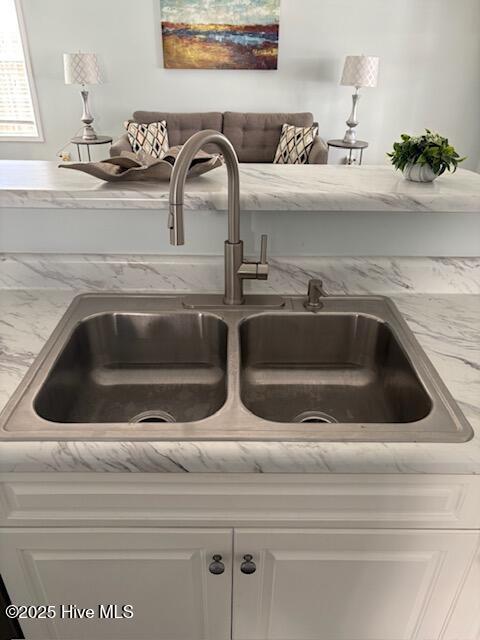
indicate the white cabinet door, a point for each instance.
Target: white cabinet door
{"x":348,"y":584}
{"x":464,"y":623}
{"x":163,"y":574}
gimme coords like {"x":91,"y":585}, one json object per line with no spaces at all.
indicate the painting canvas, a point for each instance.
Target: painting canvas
{"x":220,"y":34}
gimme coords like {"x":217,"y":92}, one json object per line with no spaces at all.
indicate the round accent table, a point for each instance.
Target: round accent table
{"x":80,"y":142}
{"x":359,"y":145}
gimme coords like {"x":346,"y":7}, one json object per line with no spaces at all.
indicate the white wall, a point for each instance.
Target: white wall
{"x":430,"y":69}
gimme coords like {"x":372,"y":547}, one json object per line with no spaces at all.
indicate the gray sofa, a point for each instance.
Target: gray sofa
{"x":255,"y":136}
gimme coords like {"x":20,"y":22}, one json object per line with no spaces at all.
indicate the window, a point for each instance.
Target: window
{"x":19,"y":118}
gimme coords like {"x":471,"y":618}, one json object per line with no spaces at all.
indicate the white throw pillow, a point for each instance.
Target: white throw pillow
{"x":150,"y":138}
{"x":295,"y":144}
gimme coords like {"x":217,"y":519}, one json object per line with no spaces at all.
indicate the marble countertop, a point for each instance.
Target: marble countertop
{"x":447,"y":326}
{"x":41,"y":184}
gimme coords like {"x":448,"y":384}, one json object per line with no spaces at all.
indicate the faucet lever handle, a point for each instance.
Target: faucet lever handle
{"x":263,"y":249}
{"x":262,"y":265}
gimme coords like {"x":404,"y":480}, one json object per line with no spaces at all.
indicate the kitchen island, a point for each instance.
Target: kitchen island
{"x":379,"y":539}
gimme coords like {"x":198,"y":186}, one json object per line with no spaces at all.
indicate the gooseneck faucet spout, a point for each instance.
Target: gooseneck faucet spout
{"x":236,"y":269}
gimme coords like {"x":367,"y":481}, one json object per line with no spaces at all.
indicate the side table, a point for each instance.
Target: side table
{"x":80,"y":142}
{"x":359,"y":145}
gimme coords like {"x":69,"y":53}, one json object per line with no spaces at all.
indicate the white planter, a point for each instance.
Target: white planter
{"x":419,"y":173}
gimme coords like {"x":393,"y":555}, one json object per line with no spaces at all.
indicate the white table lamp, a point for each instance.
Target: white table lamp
{"x":358,"y":71}
{"x":83,"y":69}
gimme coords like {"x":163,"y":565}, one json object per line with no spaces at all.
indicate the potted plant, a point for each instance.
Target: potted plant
{"x":424,"y":158}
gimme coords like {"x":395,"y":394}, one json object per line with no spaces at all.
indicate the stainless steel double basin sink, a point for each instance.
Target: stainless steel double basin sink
{"x":160,"y":367}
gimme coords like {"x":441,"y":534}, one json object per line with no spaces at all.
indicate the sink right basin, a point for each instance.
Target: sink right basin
{"x":314,"y":368}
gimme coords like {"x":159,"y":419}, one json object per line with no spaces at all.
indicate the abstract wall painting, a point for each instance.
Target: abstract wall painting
{"x":220,"y":34}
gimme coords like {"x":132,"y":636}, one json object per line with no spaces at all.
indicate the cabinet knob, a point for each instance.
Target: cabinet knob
{"x":216,"y":566}
{"x":248,"y":566}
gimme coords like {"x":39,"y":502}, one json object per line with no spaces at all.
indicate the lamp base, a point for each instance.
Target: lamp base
{"x":89,"y":133}
{"x":87,"y":118}
{"x":350,"y":136}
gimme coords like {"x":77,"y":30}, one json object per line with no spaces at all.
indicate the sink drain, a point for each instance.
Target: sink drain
{"x":153,"y":416}
{"x":314,"y":417}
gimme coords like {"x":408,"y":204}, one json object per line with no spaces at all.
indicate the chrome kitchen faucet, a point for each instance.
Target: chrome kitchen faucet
{"x":237,"y":269}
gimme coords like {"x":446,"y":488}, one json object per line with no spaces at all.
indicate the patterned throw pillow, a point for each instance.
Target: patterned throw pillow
{"x":149,"y":138}
{"x":295,"y":144}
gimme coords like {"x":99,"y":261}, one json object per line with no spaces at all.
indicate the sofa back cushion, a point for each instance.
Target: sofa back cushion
{"x":181,"y":126}
{"x":255,"y":136}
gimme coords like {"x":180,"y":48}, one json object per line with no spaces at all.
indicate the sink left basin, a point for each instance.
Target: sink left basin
{"x":138,"y":367}
{"x":124,"y":364}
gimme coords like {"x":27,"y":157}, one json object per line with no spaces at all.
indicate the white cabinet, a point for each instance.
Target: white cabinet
{"x":348,"y":584}
{"x":162,"y":573}
{"x":337,"y":557}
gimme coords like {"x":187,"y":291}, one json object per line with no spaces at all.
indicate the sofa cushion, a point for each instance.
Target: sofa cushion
{"x":295,"y":144}
{"x":181,"y":126}
{"x":151,"y":138}
{"x":255,"y":136}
